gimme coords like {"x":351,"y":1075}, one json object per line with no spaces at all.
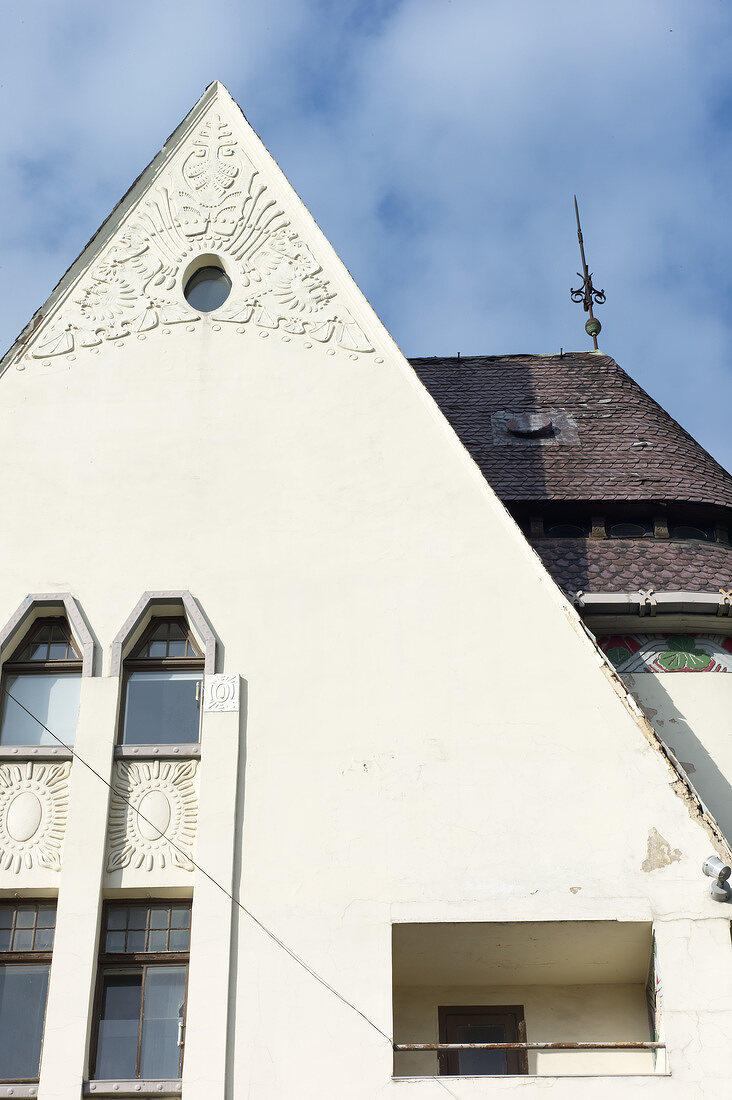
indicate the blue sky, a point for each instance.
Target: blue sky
{"x":438,"y":143}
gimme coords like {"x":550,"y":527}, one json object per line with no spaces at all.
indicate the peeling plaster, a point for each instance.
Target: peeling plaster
{"x":660,"y":853}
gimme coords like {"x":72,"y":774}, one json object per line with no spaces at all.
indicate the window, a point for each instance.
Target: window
{"x":141,"y":991}
{"x":207,"y":289}
{"x":630,"y":531}
{"x":686,"y":531}
{"x":26,"y":942}
{"x":568,"y":531}
{"x":162,"y":690}
{"x":44,"y":676}
{"x":486,"y":1024}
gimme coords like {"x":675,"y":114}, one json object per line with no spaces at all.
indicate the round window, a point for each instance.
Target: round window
{"x":207,"y":289}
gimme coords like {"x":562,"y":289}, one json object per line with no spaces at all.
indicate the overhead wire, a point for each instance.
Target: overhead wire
{"x":235,"y":901}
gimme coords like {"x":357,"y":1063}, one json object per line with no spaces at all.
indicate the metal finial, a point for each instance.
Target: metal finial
{"x":586,"y":293}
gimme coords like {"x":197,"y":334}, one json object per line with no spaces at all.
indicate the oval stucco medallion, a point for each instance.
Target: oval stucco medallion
{"x":155,"y":808}
{"x":24,"y":817}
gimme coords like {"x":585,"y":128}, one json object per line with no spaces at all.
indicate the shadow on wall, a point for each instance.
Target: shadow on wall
{"x":686,"y":709}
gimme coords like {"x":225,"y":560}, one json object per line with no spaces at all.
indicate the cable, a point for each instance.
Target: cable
{"x":267,"y":931}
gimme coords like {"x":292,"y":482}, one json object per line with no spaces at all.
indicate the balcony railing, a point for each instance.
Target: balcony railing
{"x":527,"y":1046}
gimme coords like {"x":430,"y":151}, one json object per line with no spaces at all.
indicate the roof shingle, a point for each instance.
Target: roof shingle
{"x":613,"y":565}
{"x":629,"y":448}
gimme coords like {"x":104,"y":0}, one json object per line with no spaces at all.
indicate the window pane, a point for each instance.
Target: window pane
{"x":136,"y":941}
{"x":23,"y":939}
{"x":207,"y":289}
{"x":162,"y":1011}
{"x":52,"y":697}
{"x":5,"y":934}
{"x":161,"y":708}
{"x":158,"y":940}
{"x":26,"y":916}
{"x":22,"y":1009}
{"x":115,"y":941}
{"x":44,"y":939}
{"x":159,"y":917}
{"x":180,"y":916}
{"x":119,"y":1026}
{"x":117,"y":917}
{"x":138,"y":917}
{"x":179,"y":939}
{"x":481,"y":1061}
{"x":46,"y":916}
{"x":6,"y":916}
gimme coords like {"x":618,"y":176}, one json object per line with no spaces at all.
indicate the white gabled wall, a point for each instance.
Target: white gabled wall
{"x":428,"y":735}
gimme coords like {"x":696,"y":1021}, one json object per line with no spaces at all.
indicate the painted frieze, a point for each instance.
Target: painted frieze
{"x":668,"y":652}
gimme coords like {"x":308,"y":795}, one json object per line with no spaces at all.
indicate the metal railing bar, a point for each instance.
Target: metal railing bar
{"x":527,"y":1046}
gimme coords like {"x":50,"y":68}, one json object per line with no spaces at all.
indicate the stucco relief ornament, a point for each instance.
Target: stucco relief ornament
{"x":221,"y":692}
{"x":213,"y":203}
{"x":34,"y":802}
{"x":153,"y":815}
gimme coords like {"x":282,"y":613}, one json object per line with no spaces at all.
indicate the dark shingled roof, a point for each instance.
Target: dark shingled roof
{"x":612,"y":414}
{"x":616,"y":444}
{"x":620,"y":565}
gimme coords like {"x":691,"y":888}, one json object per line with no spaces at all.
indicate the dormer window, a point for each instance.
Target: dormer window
{"x":44,"y":677}
{"x":630,"y":531}
{"x":162,"y":687}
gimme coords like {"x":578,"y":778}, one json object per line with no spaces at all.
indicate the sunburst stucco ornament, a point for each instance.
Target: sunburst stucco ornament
{"x":34,"y":802}
{"x":153,"y":815}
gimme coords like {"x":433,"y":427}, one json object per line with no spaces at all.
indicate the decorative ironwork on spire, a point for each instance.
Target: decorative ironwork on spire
{"x":586,"y":293}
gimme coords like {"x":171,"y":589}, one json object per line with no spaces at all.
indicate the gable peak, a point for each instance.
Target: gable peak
{"x":212,"y":197}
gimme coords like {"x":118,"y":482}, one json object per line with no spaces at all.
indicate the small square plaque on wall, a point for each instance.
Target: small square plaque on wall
{"x":221,"y":692}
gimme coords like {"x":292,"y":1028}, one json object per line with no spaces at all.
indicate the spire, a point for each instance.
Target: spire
{"x":586,"y":293}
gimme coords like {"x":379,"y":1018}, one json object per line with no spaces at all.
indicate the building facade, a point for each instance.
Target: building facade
{"x":332,"y":741}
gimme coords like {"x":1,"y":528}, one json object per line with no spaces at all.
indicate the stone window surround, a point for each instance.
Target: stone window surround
{"x":164,"y":602}
{"x":38,"y":605}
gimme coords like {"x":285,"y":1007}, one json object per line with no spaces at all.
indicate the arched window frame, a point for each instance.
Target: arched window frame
{"x":35,"y":607}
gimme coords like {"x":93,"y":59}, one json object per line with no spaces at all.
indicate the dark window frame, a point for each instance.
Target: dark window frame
{"x":517,"y":1061}
{"x":118,"y":962}
{"x":66,"y":666}
{"x":134,"y":663}
{"x":26,"y":958}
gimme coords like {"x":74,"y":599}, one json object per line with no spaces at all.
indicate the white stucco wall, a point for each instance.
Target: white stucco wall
{"x":427,"y":734}
{"x":692,"y":715}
